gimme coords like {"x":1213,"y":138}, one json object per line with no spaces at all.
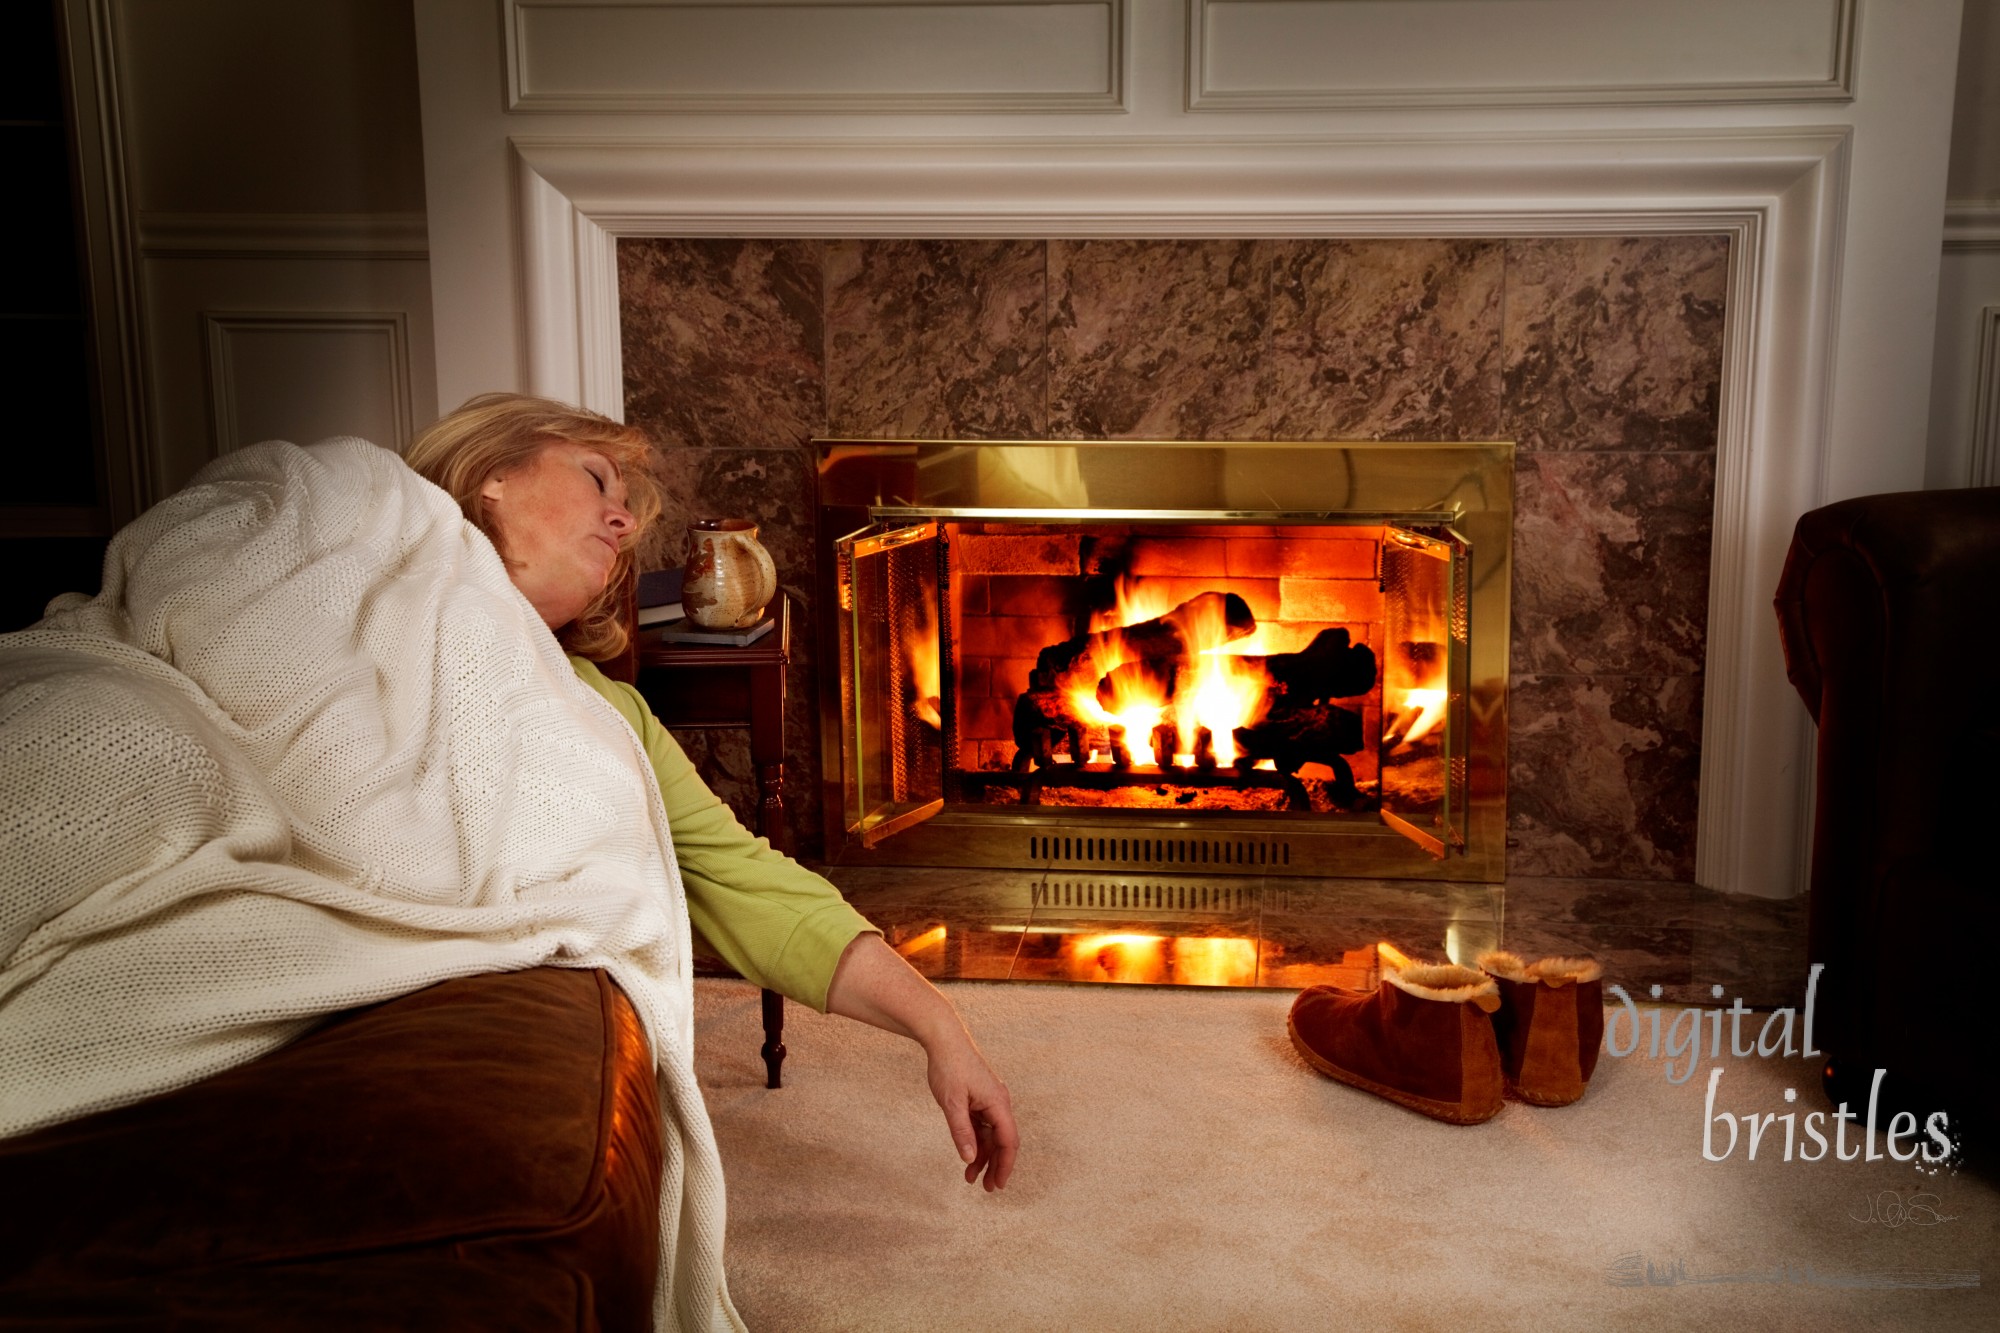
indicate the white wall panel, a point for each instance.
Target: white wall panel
{"x":1985,"y":468}
{"x":1975,"y":119}
{"x":303,"y":376}
{"x":1248,"y":54}
{"x":258,"y":107}
{"x":283,"y":235}
{"x":809,"y":55}
{"x":250,"y":347}
{"x":264,"y":182}
{"x":1963,"y":448}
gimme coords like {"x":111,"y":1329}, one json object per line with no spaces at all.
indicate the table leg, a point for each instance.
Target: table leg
{"x":774,"y":1037}
{"x":767,"y":752}
{"x":771,"y":819}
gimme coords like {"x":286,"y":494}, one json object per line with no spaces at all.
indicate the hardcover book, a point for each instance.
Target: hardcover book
{"x":686,"y":632}
{"x":660,"y":598}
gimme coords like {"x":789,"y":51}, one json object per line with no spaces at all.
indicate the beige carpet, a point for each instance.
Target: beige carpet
{"x":1184,"y":1170}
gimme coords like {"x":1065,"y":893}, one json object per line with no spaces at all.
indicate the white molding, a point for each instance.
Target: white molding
{"x":283,"y":235}
{"x":1779,"y":194}
{"x":1984,"y":466}
{"x":552,"y":311}
{"x":1550,"y":88}
{"x":110,"y":254}
{"x":1754,"y":815}
{"x":1972,"y":224}
{"x":568,"y":264}
{"x":734,"y":45}
{"x":600,"y":342}
{"x":220,"y":327}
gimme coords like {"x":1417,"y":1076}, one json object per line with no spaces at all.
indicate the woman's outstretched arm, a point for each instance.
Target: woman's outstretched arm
{"x":875,"y":985}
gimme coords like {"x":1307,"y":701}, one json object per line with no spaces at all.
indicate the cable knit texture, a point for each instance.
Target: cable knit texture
{"x":311,"y":749}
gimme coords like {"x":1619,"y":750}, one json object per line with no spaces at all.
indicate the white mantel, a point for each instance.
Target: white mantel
{"x":1826,"y":168}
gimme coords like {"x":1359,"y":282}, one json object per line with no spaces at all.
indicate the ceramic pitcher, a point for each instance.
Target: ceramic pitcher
{"x":730,"y":578}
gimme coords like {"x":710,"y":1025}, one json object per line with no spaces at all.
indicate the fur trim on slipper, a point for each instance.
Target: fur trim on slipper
{"x":1549,"y":971}
{"x":1448,"y":982}
{"x":1549,"y":1026}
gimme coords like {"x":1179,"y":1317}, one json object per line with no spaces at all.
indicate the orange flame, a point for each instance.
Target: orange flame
{"x":921,"y":650}
{"x":1223,"y":693}
{"x":1423,"y":709}
{"x":1227,"y":694}
{"x":1415,"y":712}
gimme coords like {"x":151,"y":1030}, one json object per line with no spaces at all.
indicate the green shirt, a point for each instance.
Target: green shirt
{"x":770,"y":918}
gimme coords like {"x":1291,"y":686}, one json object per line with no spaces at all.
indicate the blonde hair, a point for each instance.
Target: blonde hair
{"x":497,"y":432}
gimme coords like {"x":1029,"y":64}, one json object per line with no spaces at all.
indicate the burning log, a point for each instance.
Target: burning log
{"x":1292,"y":737}
{"x":1200,"y":622}
{"x":1330,"y":667}
{"x":1045,"y":722}
{"x":1141,"y":684}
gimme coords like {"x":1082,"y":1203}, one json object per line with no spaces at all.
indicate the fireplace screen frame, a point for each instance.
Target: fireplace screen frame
{"x":1463,"y":490}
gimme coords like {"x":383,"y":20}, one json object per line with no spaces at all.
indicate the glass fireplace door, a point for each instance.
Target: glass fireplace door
{"x":891,"y":694}
{"x":1425,"y":677}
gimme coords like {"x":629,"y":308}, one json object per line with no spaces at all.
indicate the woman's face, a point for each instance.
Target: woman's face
{"x":559,"y":520}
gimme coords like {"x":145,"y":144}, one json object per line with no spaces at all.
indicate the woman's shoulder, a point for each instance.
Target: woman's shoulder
{"x":619,"y":695}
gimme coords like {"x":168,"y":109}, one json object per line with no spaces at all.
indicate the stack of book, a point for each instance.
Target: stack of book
{"x":660,"y":598}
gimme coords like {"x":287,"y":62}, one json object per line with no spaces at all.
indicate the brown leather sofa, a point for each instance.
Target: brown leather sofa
{"x":1889,"y":608}
{"x":483,"y":1154}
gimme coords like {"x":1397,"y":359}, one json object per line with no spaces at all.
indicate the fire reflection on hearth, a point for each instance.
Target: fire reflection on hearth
{"x":1181,"y":932}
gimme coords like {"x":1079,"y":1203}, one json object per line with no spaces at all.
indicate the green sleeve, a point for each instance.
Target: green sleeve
{"x":770,"y":918}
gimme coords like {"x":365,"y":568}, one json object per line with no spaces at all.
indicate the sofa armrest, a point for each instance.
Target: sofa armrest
{"x":1889,"y":610}
{"x":451,"y":1158}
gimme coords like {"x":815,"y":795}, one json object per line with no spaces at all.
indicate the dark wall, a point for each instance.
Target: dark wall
{"x":53,"y":525}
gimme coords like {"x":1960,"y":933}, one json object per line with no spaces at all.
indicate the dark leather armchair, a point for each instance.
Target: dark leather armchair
{"x":483,"y":1154}
{"x":1889,"y":608}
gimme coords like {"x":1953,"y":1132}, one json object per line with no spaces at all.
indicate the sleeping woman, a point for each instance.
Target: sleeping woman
{"x":565,"y":495}
{"x":320,"y":742}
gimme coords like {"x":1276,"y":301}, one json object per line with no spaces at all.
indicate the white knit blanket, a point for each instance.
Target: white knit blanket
{"x":311,"y":749}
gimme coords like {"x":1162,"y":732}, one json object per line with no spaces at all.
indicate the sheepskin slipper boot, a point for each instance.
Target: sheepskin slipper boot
{"x":1550,"y":1025}
{"x":1423,"y":1039}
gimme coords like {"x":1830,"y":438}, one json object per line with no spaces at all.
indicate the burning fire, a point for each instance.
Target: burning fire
{"x":1419,"y":710}
{"x":1423,"y":709}
{"x":1225,"y":692}
{"x":922,"y":652}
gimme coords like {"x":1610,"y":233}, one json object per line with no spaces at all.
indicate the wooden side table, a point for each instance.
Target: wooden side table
{"x":707,"y":688}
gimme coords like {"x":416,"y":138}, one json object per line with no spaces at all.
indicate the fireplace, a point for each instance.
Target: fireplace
{"x":1273,"y":659}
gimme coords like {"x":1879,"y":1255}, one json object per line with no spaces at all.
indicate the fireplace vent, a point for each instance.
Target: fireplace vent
{"x":1163,"y":851}
{"x":1156,"y":897}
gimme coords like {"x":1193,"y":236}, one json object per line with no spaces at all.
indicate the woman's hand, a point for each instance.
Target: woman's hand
{"x":876,"y":985}
{"x":977,"y":1109}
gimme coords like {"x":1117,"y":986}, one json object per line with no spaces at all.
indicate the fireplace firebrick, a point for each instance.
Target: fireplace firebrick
{"x":1271,"y":658}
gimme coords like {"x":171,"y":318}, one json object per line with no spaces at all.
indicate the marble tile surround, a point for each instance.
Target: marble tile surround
{"x":1600,"y":356}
